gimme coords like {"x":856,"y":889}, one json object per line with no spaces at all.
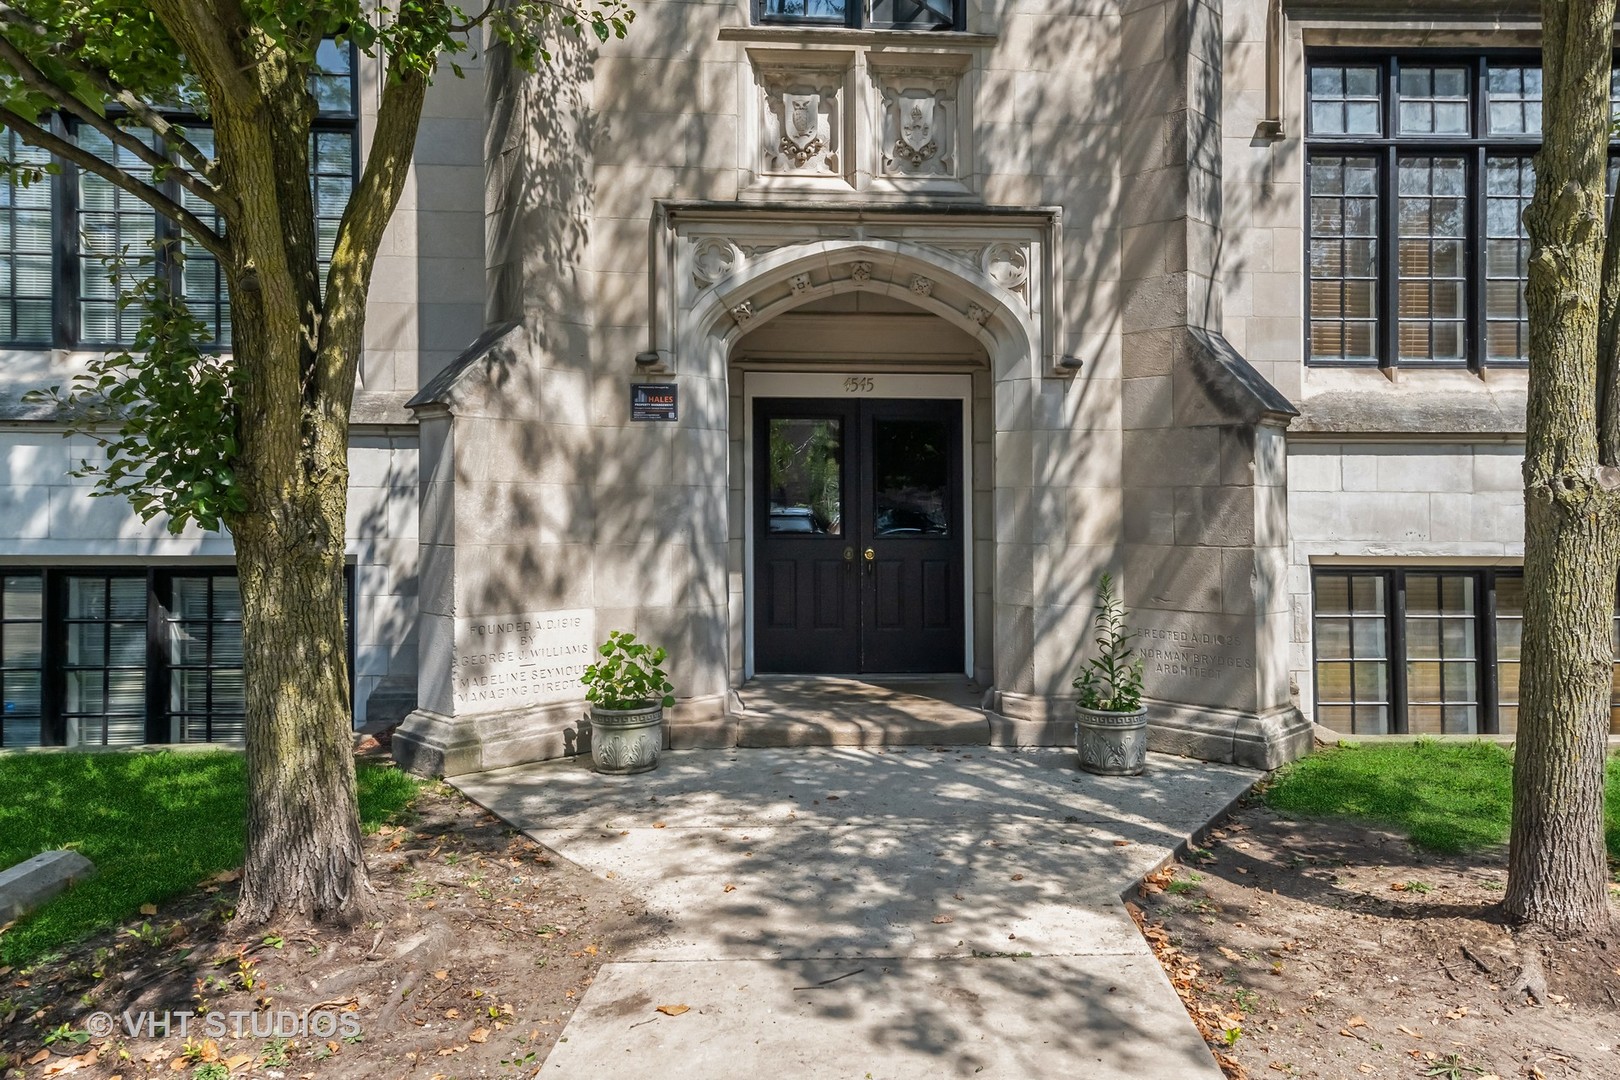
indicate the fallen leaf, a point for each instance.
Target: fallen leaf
{"x":478,"y":1035}
{"x":452,"y":1014}
{"x":730,"y":887}
{"x":942,"y":919}
{"x":236,"y":1061}
{"x":227,"y":877}
{"x":1404,"y":1030}
{"x":43,"y":1055}
{"x":658,"y":824}
{"x":148,"y":909}
{"x":1364,"y":1068}
{"x":1355,"y":1022}
{"x":1230,"y":954}
{"x":1122,"y":843}
{"x":1018,"y":877}
{"x":441,"y":974}
{"x":674,"y":1010}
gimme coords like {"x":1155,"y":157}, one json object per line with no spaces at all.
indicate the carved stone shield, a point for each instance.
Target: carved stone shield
{"x":801,"y":119}
{"x":917,"y":123}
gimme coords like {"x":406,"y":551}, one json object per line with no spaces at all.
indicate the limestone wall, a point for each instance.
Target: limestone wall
{"x":1443,"y":504}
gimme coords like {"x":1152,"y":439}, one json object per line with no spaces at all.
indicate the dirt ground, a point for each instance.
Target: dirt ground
{"x":484,"y":944}
{"x":1327,"y":950}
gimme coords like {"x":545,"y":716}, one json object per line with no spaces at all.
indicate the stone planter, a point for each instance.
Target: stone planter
{"x":626,"y":741}
{"x":1111,"y":743}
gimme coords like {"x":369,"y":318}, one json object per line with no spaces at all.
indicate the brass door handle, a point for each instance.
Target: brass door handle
{"x":849,"y":554}
{"x":870,"y":554}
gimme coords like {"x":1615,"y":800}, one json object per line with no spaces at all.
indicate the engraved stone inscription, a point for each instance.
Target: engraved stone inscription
{"x":1190,"y":654}
{"x":512,"y":661}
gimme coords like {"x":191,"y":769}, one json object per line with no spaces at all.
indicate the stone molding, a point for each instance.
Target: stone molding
{"x":720,"y":269}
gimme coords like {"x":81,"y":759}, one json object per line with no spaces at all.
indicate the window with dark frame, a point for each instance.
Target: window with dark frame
{"x":1418,"y":172}
{"x":124,"y":656}
{"x":1422,"y":651}
{"x":71,"y":245}
{"x":867,"y":14}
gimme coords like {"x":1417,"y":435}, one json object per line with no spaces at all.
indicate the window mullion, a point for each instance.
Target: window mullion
{"x":1490,"y":714}
{"x":1395,"y":582}
{"x":1389,"y":259}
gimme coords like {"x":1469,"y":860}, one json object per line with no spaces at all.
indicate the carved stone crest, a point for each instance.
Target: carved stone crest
{"x":800,"y":282}
{"x":860,"y":273}
{"x":916,"y":143}
{"x":801,"y":128}
{"x":921,"y":285}
{"x":978,"y":314}
{"x":919,"y":119}
{"x":743,"y":313}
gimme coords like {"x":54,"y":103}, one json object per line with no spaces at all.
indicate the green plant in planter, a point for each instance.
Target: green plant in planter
{"x":628,"y":676}
{"x":1112,"y":680}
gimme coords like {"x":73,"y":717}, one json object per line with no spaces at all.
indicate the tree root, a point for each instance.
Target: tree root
{"x":1532,"y":977}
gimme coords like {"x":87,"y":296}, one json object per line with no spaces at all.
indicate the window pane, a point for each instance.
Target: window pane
{"x":1433,"y":101}
{"x":1352,"y":675}
{"x":1432,"y":213}
{"x":116,"y":251}
{"x":1442,"y":674}
{"x":806,"y":476}
{"x":1344,"y":100}
{"x":805,"y":10}
{"x":913,"y":14}
{"x":205,"y":657}
{"x":1344,"y":252}
{"x":1514,"y":94}
{"x":1509,"y":184}
{"x":26,"y":247}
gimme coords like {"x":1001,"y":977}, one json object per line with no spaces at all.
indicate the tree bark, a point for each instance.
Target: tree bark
{"x":1558,"y":872}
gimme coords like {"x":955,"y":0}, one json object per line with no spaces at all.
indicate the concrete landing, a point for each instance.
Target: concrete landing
{"x":900,"y":913}
{"x":798,"y":710}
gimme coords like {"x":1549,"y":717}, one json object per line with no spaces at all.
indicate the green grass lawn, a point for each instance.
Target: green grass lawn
{"x":1445,"y":796}
{"x":155,"y":824}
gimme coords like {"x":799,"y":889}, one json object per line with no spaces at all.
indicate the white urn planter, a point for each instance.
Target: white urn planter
{"x":625,"y":741}
{"x":1111,"y":743}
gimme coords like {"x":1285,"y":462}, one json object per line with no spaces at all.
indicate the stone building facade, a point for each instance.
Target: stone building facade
{"x":809,"y":337}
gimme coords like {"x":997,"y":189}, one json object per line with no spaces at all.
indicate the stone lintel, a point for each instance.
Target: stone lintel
{"x":1408,"y":409}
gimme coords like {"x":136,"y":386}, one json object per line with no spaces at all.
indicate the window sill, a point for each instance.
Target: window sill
{"x":843,"y":35}
{"x":1445,"y":403}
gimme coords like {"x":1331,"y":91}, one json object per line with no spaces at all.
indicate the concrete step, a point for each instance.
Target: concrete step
{"x":784,"y":711}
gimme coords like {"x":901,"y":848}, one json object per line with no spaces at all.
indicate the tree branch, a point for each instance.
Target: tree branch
{"x":140,"y":110}
{"x":34,"y":135}
{"x":37,"y":80}
{"x":360,"y":232}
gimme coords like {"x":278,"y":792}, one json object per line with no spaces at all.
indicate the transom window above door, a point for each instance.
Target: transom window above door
{"x":1418,"y":173}
{"x":870,"y":14}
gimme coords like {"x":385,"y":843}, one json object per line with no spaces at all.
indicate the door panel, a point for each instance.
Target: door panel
{"x":858,"y":536}
{"x":804,"y":581}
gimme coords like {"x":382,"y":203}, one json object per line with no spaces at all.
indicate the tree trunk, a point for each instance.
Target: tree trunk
{"x":1558,"y":872}
{"x":303,"y":851}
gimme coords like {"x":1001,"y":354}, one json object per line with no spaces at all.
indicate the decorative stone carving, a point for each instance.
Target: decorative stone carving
{"x":1008,"y":266}
{"x":801,"y":123}
{"x":712,"y":259}
{"x":978,"y":314}
{"x":800,"y":282}
{"x":860,"y":273}
{"x":921,"y":285}
{"x":919,"y":126}
{"x":743,"y":313}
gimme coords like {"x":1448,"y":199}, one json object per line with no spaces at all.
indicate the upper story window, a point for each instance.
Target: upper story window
{"x":870,"y":14}
{"x":1418,"y":173}
{"x":72,"y":245}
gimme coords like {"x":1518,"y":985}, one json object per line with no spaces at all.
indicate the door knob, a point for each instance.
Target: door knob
{"x":849,"y":554}
{"x":870,"y":554}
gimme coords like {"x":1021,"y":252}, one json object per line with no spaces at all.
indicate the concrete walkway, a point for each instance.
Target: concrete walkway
{"x":852,"y":914}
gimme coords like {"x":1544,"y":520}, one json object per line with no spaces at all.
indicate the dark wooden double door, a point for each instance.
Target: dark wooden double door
{"x":858,"y":536}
